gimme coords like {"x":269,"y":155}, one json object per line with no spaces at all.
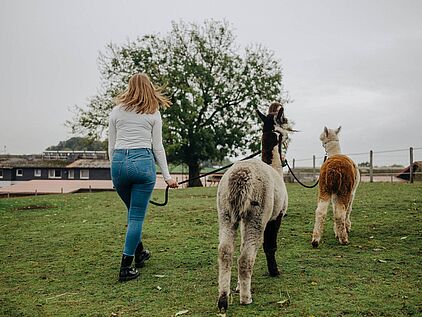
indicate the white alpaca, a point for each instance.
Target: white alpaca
{"x":338,"y":181}
{"x":252,"y":193}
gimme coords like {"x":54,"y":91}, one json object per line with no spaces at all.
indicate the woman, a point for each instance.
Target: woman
{"x":135,"y":139}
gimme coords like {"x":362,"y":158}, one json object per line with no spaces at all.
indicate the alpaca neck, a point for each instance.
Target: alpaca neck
{"x":270,"y":152}
{"x":332,"y":148}
{"x":276,"y":161}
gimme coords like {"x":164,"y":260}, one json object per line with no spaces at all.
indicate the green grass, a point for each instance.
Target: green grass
{"x":60,"y":256}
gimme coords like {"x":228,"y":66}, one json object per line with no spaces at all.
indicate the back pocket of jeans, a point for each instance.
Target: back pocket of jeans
{"x":143,"y":167}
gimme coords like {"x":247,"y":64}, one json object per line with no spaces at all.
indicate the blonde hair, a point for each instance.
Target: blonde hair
{"x":141,"y":95}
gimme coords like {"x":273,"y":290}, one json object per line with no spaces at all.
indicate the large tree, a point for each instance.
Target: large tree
{"x":213,"y":84}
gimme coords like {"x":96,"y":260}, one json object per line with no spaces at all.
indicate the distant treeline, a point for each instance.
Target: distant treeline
{"x":79,"y":144}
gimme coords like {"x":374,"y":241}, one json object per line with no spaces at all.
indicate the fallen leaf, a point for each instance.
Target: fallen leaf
{"x":182,"y":312}
{"x":284,"y":302}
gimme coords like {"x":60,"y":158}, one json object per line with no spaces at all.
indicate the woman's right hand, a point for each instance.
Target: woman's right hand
{"x":172,"y":183}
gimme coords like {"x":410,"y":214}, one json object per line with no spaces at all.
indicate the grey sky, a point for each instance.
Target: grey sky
{"x":351,"y":63}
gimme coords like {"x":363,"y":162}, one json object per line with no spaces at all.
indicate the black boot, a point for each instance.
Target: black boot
{"x":141,"y":255}
{"x":126,"y":271}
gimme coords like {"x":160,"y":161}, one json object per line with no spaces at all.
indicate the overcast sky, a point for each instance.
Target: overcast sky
{"x":351,"y":63}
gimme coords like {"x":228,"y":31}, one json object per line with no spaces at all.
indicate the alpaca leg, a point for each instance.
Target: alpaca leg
{"x":270,"y":244}
{"x":242,"y":231}
{"x":320,"y":215}
{"x":348,"y":212}
{"x":349,"y":209}
{"x":340,"y":223}
{"x":227,"y":238}
{"x":334,"y":204}
{"x":252,"y":237}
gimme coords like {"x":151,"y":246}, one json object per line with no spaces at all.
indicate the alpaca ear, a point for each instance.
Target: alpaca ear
{"x":280,"y":116}
{"x":326,"y":131}
{"x":338,"y":130}
{"x":261,"y":115}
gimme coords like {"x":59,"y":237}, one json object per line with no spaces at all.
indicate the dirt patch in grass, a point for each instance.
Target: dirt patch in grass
{"x":33,"y":207}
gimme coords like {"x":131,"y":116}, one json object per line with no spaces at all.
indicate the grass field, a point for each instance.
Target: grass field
{"x":60,"y":256}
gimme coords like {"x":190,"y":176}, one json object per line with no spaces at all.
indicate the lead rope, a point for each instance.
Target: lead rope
{"x":166,"y":195}
{"x":306,"y":186}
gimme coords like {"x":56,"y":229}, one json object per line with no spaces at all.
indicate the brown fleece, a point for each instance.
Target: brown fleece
{"x":337,"y":176}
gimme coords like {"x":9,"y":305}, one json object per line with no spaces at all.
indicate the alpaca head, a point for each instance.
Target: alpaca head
{"x":329,"y":136}
{"x":274,"y":133}
{"x":274,"y":121}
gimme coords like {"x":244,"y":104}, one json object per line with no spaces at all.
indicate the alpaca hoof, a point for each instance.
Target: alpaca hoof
{"x":315,"y":243}
{"x":246,"y":301}
{"x":274,"y":272}
{"x":223,"y":303}
{"x":343,"y":241}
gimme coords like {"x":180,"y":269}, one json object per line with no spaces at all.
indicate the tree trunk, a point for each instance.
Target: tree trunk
{"x":194,"y":172}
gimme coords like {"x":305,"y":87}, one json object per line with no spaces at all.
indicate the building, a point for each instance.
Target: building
{"x":21,"y":169}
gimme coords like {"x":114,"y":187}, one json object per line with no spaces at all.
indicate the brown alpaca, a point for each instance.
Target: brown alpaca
{"x":338,"y":180}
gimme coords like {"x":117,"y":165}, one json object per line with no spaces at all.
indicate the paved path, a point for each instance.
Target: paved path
{"x":47,"y":186}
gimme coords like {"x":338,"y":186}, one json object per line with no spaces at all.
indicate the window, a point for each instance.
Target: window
{"x":19,"y":172}
{"x":84,"y":174}
{"x":1,"y":173}
{"x":37,"y":173}
{"x":54,"y":174}
{"x":71,"y":174}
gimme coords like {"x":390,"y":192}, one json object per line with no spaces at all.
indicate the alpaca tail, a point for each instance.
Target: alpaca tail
{"x":239,"y":192}
{"x":333,"y":181}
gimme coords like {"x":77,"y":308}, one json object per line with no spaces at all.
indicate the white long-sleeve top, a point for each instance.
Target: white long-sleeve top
{"x":131,"y":130}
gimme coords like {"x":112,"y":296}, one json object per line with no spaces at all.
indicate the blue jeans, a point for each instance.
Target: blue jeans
{"x":133,"y":174}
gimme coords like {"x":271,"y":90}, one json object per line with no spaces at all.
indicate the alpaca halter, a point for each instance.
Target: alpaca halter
{"x":325,"y":143}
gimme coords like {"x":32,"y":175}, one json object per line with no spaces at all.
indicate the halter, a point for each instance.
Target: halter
{"x":325,"y":143}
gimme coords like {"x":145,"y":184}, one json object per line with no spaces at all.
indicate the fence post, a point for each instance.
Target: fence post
{"x":411,"y":165}
{"x":371,"y":166}
{"x":293,"y":168}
